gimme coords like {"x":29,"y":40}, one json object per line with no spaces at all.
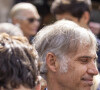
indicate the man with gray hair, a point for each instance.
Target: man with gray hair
{"x":68,"y":53}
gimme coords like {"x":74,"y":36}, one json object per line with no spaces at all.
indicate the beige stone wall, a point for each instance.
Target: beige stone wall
{"x":5,"y":6}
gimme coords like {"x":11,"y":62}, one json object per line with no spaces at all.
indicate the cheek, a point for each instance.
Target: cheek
{"x":25,"y":26}
{"x":77,"y":71}
{"x":35,"y":25}
{"x":75,"y":74}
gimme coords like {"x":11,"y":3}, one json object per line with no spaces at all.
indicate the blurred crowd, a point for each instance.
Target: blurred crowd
{"x":23,"y":42}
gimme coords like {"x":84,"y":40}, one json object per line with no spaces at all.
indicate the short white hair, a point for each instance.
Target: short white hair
{"x":20,"y":7}
{"x":62,"y":38}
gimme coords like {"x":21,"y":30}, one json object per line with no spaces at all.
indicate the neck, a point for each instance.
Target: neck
{"x":52,"y":84}
{"x":27,"y":36}
{"x":84,"y":25}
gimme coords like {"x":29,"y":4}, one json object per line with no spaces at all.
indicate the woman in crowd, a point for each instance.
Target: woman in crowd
{"x":25,"y":16}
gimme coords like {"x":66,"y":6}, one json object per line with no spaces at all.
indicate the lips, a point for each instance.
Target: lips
{"x":88,"y":81}
{"x":34,"y":29}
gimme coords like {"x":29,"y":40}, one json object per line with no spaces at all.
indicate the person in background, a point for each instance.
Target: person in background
{"x":10,"y":29}
{"x":25,"y":16}
{"x":18,"y":64}
{"x":68,"y":53}
{"x":74,"y":10}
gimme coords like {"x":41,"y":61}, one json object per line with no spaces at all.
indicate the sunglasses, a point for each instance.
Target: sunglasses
{"x":31,"y":20}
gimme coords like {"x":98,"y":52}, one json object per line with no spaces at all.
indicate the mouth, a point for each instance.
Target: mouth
{"x":88,"y":81}
{"x":35,"y":29}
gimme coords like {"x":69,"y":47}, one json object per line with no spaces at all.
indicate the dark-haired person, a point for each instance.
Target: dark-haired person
{"x":25,"y":15}
{"x":18,"y":64}
{"x":74,"y":10}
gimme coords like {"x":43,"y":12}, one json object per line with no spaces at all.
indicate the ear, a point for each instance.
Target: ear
{"x":86,"y":17}
{"x":52,"y":63}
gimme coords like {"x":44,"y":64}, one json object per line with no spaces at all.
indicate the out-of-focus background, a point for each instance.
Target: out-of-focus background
{"x":43,"y":7}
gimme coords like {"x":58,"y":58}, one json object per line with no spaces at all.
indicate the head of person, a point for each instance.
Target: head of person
{"x":18,"y":63}
{"x":74,"y":10}
{"x":68,"y":53}
{"x":10,"y":29}
{"x":26,"y":16}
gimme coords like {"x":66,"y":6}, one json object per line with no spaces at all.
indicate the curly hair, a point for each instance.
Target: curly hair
{"x":18,"y":62}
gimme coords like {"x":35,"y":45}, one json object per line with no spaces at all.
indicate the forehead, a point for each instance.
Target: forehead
{"x":30,"y":13}
{"x":86,"y":51}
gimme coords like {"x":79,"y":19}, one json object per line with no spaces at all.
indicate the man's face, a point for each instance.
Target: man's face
{"x":81,"y":69}
{"x":30,"y":23}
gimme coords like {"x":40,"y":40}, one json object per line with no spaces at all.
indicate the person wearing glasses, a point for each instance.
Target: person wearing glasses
{"x":26,"y":16}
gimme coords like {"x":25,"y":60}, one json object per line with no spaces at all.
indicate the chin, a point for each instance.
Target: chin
{"x":86,"y":88}
{"x":32,"y":33}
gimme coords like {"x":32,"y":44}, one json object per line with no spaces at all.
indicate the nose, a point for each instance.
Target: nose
{"x":93,"y":69}
{"x":36,"y":23}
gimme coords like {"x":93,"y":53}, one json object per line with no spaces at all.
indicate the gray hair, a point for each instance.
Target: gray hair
{"x":62,"y":38}
{"x":10,"y":29}
{"x":17,"y":10}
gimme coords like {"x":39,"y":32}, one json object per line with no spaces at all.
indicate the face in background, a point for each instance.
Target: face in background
{"x":81,"y":69}
{"x":29,"y":22}
{"x":83,"y":21}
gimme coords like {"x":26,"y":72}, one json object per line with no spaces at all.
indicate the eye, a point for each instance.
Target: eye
{"x":84,"y":60}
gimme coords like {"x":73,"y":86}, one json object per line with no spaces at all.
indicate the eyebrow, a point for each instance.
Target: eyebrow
{"x":88,"y":57}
